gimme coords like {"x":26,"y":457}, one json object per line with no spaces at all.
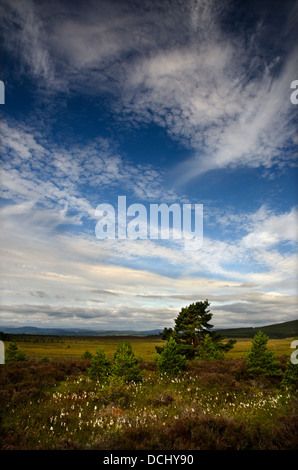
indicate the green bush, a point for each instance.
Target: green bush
{"x":116,"y":393}
{"x":171,"y":361}
{"x":87,"y":355}
{"x":260,"y":360}
{"x":209,"y":350}
{"x":44,"y":358}
{"x":126,"y":365}
{"x":100,"y":366}
{"x":13,"y":354}
{"x":290,"y":378}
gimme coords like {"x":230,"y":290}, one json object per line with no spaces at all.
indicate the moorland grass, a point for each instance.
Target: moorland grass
{"x":213,"y":405}
{"x":74,"y":347}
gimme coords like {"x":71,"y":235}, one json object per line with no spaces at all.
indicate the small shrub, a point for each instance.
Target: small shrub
{"x":290,"y":378}
{"x":87,"y":355}
{"x":260,"y":359}
{"x":100,"y":366}
{"x":209,"y":350}
{"x":126,"y":365}
{"x":13,"y":354}
{"x":117,"y":393}
{"x":43,"y":359}
{"x":170,"y":361}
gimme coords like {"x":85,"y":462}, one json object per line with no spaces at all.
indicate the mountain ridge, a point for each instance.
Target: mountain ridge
{"x":273,"y":331}
{"x":33,"y":330}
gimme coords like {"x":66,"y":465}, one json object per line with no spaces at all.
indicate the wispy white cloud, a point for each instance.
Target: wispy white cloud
{"x":73,"y":271}
{"x":37,"y":170}
{"x":211,"y":101}
{"x":273,"y":229}
{"x":28,"y":42}
{"x":223,"y":94}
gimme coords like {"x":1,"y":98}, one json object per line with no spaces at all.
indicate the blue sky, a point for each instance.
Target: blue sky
{"x":163,"y":102}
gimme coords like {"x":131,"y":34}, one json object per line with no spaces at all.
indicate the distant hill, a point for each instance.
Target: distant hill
{"x":32,"y":330}
{"x":287,"y":329}
{"x":276,"y":331}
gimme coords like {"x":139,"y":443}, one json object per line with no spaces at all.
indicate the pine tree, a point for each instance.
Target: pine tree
{"x":87,"y":355}
{"x":13,"y":354}
{"x":192,"y":325}
{"x":171,"y":361}
{"x":126,"y":365}
{"x":209,"y":350}
{"x":290,"y":378}
{"x":260,"y":360}
{"x":100,"y":366}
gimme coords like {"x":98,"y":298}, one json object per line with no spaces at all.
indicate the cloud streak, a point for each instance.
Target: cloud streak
{"x":44,"y":173}
{"x":80,"y":270}
{"x":224,"y":95}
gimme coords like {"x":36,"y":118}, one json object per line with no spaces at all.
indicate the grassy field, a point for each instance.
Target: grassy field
{"x":213,"y":405}
{"x":280,"y":347}
{"x":74,"y":347}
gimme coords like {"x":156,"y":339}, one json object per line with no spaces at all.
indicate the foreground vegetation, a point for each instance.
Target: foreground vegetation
{"x":180,"y":391}
{"x":212,"y":405}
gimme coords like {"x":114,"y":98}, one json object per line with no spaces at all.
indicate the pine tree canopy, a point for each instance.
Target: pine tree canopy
{"x":192,"y":323}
